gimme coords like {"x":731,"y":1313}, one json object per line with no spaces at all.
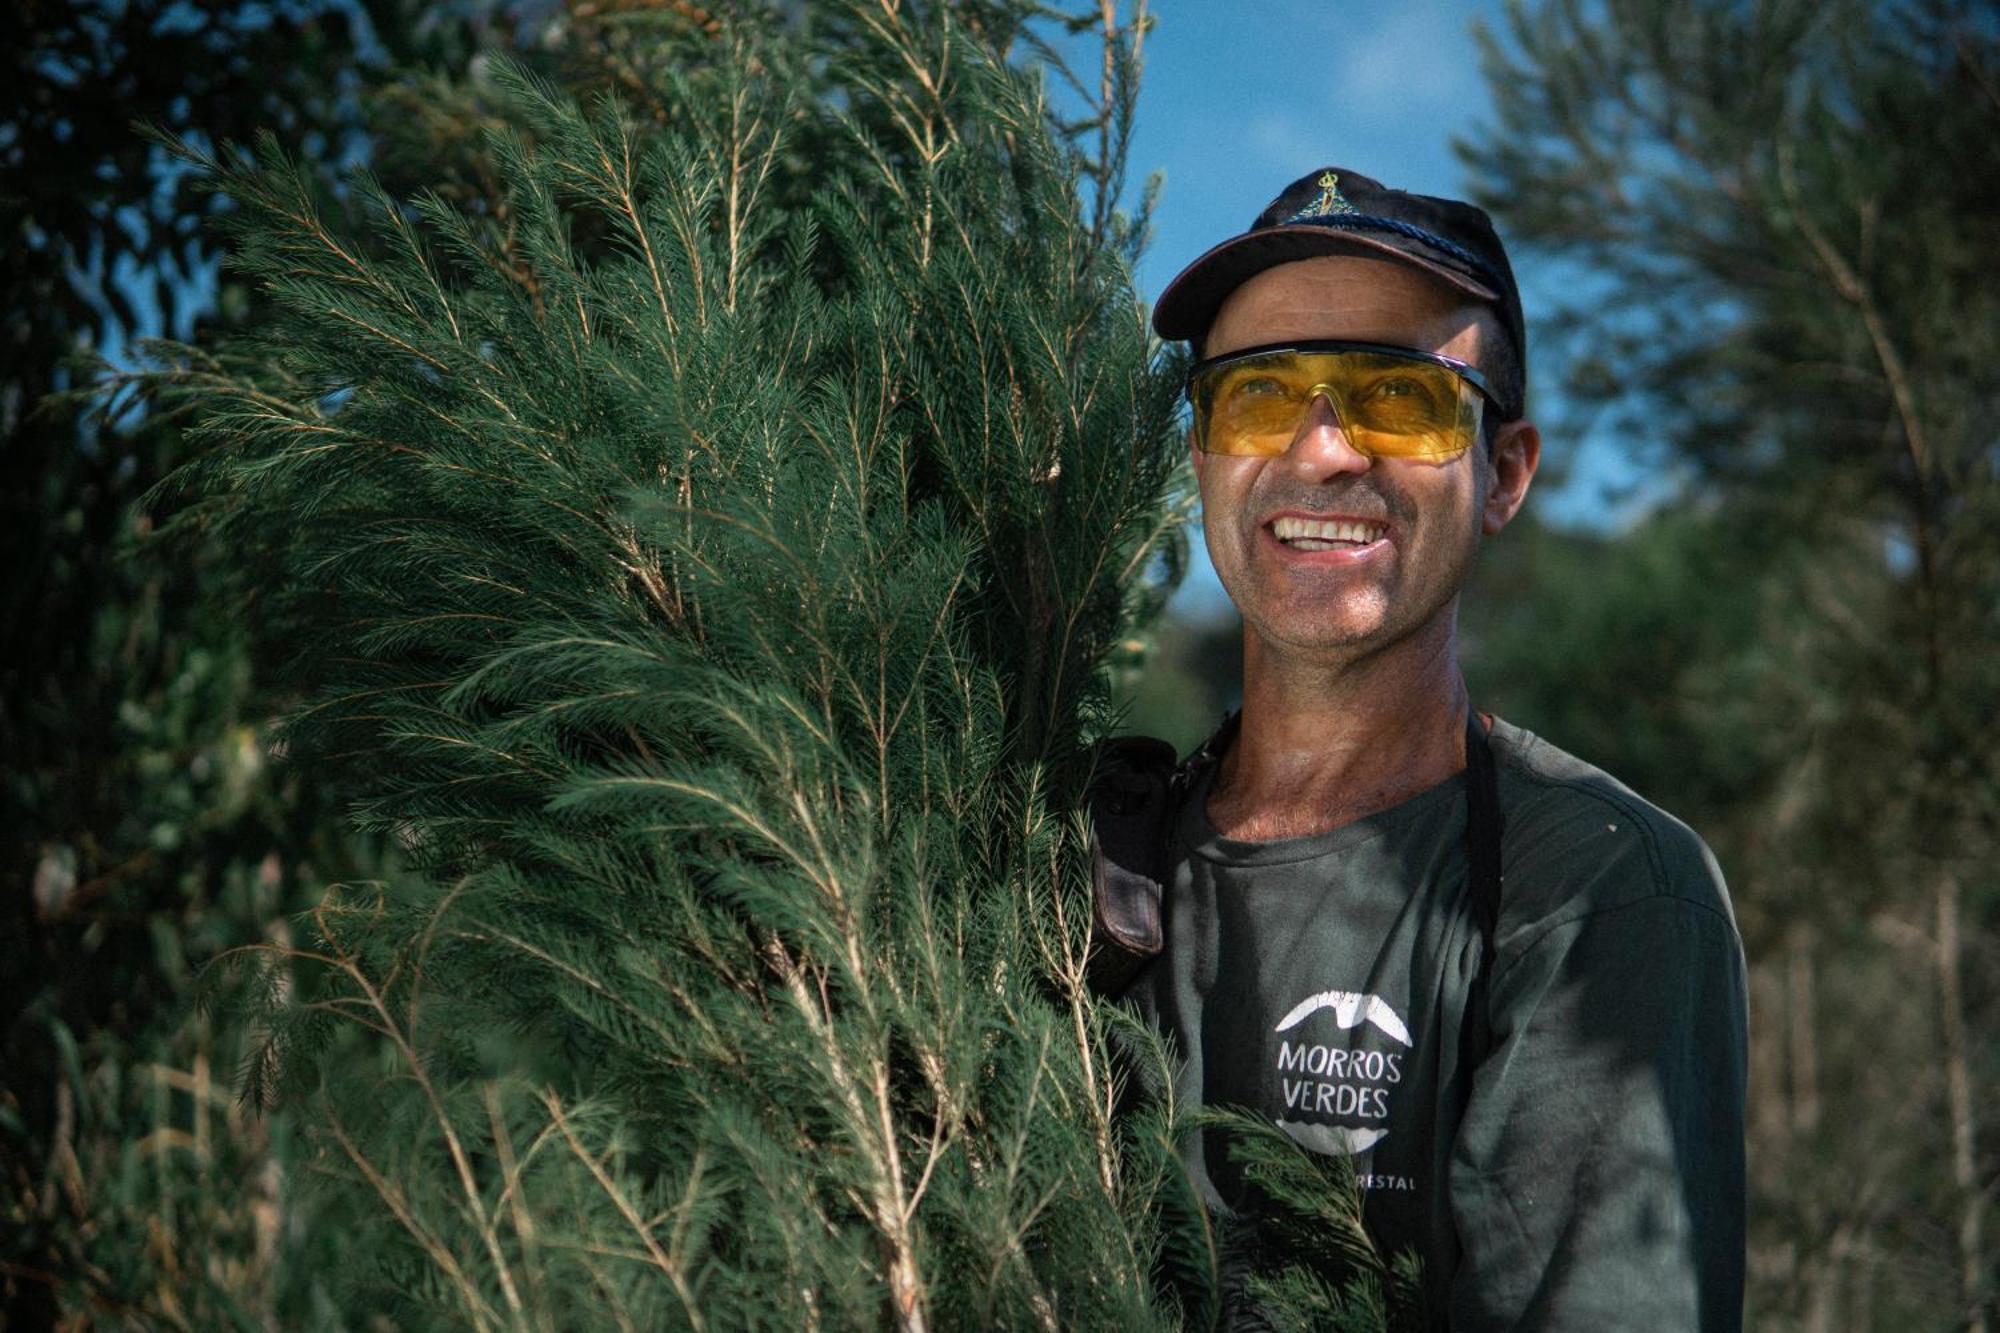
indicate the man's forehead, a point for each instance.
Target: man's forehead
{"x":1348,"y":296}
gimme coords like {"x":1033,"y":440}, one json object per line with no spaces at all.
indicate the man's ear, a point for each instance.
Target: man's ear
{"x":1517,"y":452}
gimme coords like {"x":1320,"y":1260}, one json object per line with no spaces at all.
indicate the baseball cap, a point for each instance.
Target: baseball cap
{"x":1336,"y":211}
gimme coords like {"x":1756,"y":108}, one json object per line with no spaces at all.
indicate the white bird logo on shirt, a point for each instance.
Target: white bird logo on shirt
{"x":1349,"y":1008}
{"x":1332,"y":1140}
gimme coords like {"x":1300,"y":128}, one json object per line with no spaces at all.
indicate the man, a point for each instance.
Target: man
{"x":1511,"y":989}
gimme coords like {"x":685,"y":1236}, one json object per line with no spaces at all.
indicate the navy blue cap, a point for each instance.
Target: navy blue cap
{"x":1336,"y":211}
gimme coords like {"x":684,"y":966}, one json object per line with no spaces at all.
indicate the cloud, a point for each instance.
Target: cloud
{"x":1415,"y":60}
{"x":1380,"y":88}
{"x":1280,"y":137}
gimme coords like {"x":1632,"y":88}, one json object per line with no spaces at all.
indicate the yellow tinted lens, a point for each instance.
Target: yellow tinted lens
{"x":1253,"y":406}
{"x":1395,"y":408}
{"x":1389,"y":406}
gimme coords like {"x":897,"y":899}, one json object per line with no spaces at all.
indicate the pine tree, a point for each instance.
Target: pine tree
{"x":719,"y":599}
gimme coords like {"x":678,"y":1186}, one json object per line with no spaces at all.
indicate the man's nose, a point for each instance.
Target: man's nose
{"x":1321,"y":450}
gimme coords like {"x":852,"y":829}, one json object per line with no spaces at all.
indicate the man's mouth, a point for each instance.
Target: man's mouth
{"x":1326,"y":534}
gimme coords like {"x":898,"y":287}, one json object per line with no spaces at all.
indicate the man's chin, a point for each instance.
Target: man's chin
{"x":1342,"y":631}
{"x":1329,"y":641}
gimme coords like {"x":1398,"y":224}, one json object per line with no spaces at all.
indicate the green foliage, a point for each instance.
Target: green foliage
{"x":145,"y":827}
{"x":1181,"y":677}
{"x":710,"y":595}
{"x":1305,"y":1260}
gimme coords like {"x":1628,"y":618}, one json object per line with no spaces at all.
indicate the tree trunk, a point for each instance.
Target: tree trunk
{"x":1958,"y":1098}
{"x":1802,"y":1036}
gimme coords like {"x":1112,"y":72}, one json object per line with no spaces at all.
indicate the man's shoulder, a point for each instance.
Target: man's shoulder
{"x":1579,"y":842}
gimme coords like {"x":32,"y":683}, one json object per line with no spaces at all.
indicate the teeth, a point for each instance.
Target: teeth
{"x":1317,"y":531}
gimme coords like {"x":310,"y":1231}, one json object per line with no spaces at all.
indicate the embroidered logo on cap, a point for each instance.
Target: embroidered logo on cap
{"x":1329,"y":204}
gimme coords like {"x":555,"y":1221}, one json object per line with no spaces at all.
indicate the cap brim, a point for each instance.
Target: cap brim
{"x":1188,"y":305}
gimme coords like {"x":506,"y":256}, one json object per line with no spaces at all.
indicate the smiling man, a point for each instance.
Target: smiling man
{"x":1507,"y":986}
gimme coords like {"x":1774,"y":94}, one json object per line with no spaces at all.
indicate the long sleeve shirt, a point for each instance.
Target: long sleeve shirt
{"x":1578,"y":1167}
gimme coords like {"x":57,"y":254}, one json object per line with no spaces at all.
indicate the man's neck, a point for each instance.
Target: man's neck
{"x":1323,"y":744}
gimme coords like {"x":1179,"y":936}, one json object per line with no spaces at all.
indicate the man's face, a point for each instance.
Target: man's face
{"x":1419,"y":522}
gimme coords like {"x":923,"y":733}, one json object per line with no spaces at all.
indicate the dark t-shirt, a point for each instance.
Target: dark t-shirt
{"x":1588,"y":1173}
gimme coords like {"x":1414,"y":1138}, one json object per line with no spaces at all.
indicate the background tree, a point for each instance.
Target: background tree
{"x":145,"y":826}
{"x":1790,"y":208}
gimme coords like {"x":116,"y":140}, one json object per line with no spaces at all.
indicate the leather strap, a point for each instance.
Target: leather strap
{"x":1132,"y":804}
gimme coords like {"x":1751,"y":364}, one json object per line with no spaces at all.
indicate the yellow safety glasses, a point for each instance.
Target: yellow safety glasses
{"x":1392,"y":402}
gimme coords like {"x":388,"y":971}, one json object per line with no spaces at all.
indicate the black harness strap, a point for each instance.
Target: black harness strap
{"x":1484,"y":828}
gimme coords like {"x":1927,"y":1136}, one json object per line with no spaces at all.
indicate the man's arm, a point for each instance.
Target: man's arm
{"x":1597,"y":1181}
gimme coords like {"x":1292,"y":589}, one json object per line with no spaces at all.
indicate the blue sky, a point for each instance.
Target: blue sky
{"x":1239,"y":99}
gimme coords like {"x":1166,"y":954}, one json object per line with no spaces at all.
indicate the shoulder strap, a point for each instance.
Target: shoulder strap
{"x":1484,"y":827}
